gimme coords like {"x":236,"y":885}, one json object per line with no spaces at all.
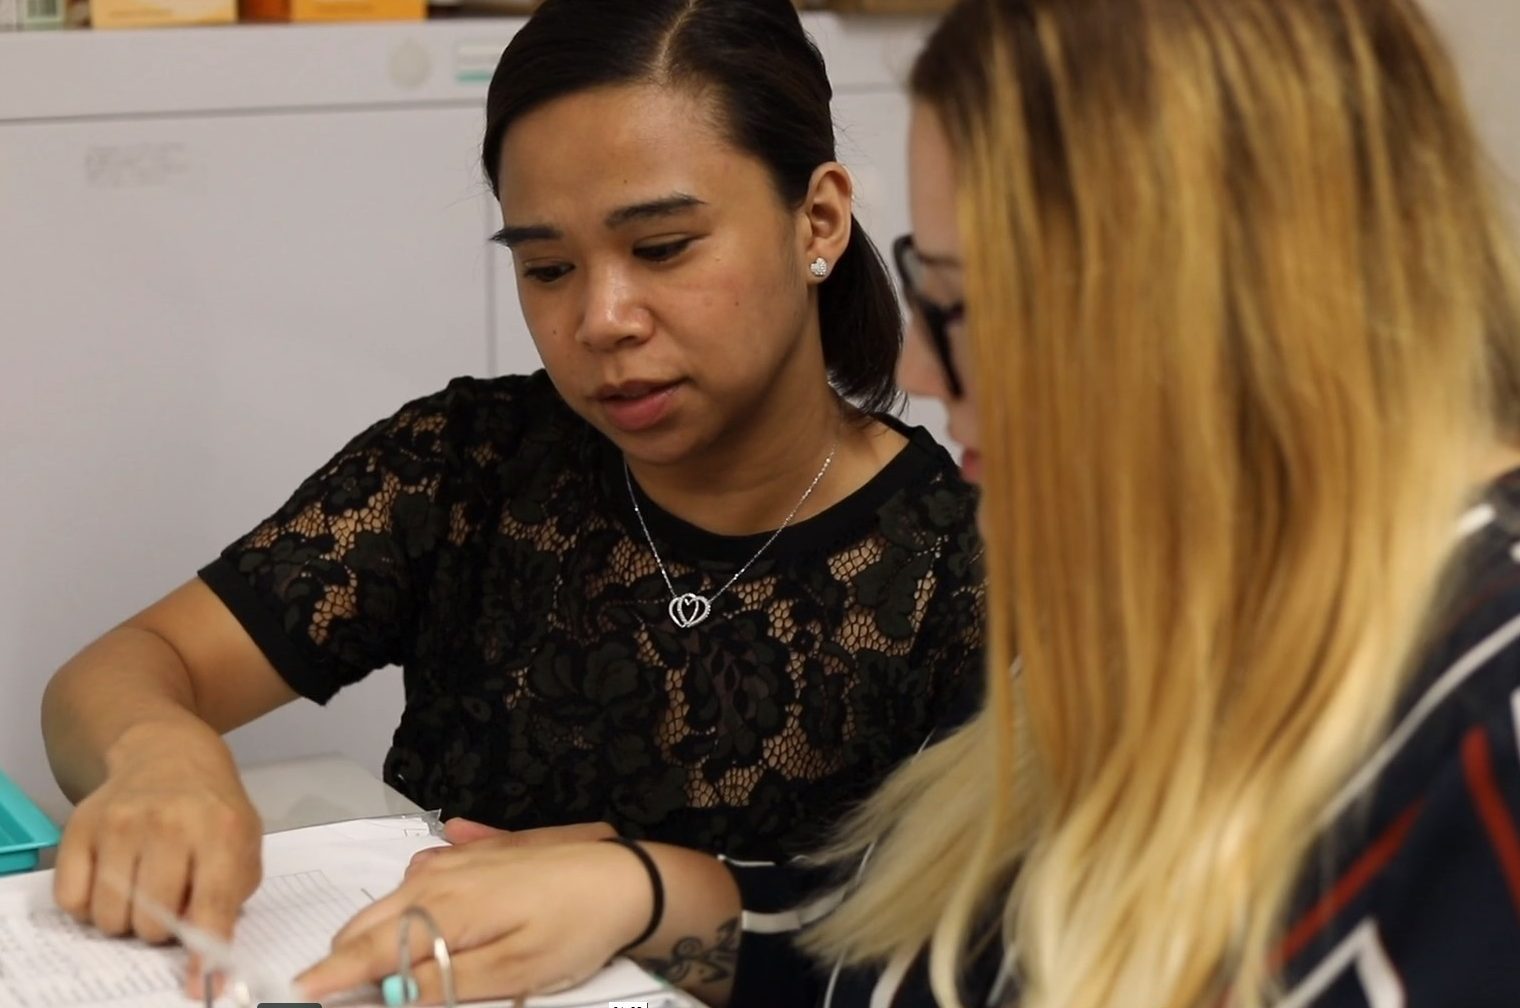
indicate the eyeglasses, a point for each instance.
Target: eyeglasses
{"x":937,"y":318}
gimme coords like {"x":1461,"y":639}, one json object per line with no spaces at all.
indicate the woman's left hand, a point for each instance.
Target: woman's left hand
{"x":518,"y":920}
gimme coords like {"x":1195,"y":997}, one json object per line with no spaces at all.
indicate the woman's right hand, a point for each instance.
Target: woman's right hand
{"x":172,"y":823}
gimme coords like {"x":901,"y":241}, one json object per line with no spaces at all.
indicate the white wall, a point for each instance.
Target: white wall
{"x":223,"y":252}
{"x":1485,"y":36}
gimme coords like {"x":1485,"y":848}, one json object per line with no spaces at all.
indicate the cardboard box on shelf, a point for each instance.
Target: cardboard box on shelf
{"x":332,"y":10}
{"x":480,"y":8}
{"x":160,"y":13}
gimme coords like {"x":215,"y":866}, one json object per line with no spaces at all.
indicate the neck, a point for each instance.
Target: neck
{"x":749,"y":480}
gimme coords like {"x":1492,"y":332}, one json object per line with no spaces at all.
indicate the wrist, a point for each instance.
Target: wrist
{"x":656,"y":890}
{"x":180,"y":737}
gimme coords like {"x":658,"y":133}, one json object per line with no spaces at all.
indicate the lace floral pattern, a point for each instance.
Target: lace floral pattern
{"x":483,"y":540}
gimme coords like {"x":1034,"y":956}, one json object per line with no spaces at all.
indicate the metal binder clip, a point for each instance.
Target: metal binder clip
{"x":440,"y":955}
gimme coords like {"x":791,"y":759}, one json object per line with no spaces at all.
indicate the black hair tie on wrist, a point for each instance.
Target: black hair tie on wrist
{"x":655,"y":882}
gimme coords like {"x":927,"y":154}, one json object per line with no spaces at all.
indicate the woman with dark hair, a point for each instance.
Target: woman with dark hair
{"x":689,"y":585}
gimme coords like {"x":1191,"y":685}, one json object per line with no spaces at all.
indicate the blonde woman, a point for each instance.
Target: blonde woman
{"x":1216,"y":294}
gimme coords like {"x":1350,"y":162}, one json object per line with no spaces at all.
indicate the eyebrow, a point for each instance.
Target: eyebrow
{"x":514,"y":235}
{"x":663,"y":207}
{"x":511,"y":237}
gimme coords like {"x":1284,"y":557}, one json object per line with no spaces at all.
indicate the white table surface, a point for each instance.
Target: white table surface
{"x":312,"y":790}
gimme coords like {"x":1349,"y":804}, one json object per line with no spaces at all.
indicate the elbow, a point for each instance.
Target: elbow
{"x":57,"y":721}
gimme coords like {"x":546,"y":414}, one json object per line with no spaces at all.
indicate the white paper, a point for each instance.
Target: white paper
{"x":315,"y":879}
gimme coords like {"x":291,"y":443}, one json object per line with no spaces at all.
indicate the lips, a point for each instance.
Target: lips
{"x":634,"y":406}
{"x":632,"y":389}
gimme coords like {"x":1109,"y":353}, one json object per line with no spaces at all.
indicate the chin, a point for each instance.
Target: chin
{"x":666,"y":447}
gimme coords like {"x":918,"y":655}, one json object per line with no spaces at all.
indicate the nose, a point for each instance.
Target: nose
{"x":615,"y":314}
{"x":918,"y":370}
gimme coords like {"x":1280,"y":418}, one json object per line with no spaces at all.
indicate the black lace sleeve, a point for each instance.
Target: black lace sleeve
{"x":326,"y":585}
{"x":952,"y":654}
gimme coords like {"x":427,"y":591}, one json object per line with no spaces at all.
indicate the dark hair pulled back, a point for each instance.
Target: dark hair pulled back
{"x":773,"y":98}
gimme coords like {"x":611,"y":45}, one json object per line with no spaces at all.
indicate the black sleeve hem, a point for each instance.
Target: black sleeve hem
{"x":249,"y":610}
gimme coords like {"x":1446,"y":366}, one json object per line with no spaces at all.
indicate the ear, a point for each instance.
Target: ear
{"x":824,"y":219}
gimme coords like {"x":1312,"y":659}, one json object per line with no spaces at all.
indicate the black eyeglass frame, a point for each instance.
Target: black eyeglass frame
{"x":938,"y":318}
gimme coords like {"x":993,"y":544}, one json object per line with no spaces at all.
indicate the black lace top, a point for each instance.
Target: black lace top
{"x":483,"y":539}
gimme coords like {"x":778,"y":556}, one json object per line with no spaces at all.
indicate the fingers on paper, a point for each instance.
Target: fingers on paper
{"x":364,"y":955}
{"x":74,"y":871}
{"x":115,"y":875}
{"x":462,"y":831}
{"x":221,"y":880}
{"x":498,"y":970}
{"x":163,"y":876}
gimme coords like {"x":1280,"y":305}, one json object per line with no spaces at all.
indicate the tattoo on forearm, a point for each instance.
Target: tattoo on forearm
{"x":697,"y":961}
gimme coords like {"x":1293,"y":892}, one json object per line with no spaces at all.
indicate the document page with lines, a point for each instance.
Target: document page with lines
{"x":315,"y":879}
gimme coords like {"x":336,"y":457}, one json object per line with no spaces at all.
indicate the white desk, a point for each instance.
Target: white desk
{"x":312,"y":790}
{"x":309,"y":791}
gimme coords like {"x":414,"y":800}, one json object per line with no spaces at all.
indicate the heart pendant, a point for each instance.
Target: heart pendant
{"x":686,"y":611}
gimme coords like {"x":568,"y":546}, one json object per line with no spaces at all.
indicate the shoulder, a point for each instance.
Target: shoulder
{"x":506,"y":406}
{"x":1471,"y":672}
{"x":1469,"y":679}
{"x":925,"y":492}
{"x":483,"y":420}
{"x":916,"y":505}
{"x":1426,"y":835}
{"x":929,"y":541}
{"x":932,"y":511}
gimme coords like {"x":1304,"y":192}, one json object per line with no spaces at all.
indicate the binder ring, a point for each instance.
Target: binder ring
{"x":440,"y":954}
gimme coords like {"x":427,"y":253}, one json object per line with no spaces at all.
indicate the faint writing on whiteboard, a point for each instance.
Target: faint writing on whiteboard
{"x":136,"y":165}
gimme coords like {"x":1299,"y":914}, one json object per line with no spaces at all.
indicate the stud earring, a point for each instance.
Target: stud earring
{"x":819,"y":267}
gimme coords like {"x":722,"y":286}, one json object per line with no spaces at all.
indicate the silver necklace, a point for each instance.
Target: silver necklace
{"x":687,"y":609}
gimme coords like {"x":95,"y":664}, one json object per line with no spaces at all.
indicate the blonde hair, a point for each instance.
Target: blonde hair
{"x":1236,"y":287}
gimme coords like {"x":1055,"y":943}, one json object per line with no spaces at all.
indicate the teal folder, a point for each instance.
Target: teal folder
{"x":24,"y":829}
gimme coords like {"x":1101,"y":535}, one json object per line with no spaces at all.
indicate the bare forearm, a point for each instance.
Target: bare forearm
{"x":129,"y":685}
{"x":697,"y":944}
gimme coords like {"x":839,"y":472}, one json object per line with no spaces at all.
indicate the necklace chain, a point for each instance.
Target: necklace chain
{"x":687,"y":609}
